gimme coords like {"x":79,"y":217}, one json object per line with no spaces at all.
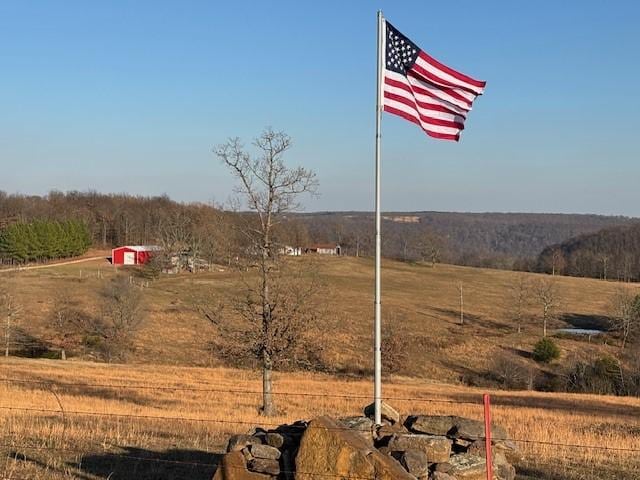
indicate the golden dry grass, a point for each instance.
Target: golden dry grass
{"x":71,"y":445}
{"x":171,"y":351}
{"x":422,"y":300}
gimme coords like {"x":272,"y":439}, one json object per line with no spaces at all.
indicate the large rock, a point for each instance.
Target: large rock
{"x":441,"y":476}
{"x":474,"y":430}
{"x":233,"y":467}
{"x":363,"y":425}
{"x":387,"y":412}
{"x":468,"y":467}
{"x":430,"y":424}
{"x":329,"y":450}
{"x":415,"y":462}
{"x":502,"y":469}
{"x":385,"y":432}
{"x":264,"y":451}
{"x":265,"y":465}
{"x":275,"y":439}
{"x":437,"y":448}
{"x":238,"y":442}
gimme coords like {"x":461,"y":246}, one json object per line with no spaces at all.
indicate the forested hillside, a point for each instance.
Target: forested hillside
{"x":612,"y":253}
{"x":498,"y":240}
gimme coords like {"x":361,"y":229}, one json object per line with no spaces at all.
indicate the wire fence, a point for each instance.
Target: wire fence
{"x":65,"y":414}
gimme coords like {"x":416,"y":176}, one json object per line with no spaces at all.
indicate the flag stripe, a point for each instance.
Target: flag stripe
{"x":426,"y":96}
{"x":412,"y":118}
{"x":430,"y":76}
{"x":431,"y":119}
{"x":447,"y":94}
{"x":436,"y":111}
{"x":424,"y":121}
{"x":455,"y":74}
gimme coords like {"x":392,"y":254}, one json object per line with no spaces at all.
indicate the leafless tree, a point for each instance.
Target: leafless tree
{"x":395,"y":344}
{"x":625,"y":313}
{"x":296,"y":337}
{"x":431,"y":246}
{"x":546,"y":294}
{"x":11,"y":311}
{"x":121,"y":314}
{"x":270,"y":189}
{"x":518,"y":300}
{"x":558,"y":262}
{"x":62,"y":316}
{"x":604,"y":259}
{"x":460,"y":287}
{"x":176,"y":237}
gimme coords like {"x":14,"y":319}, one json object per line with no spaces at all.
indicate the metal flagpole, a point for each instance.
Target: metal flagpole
{"x":377,"y":389}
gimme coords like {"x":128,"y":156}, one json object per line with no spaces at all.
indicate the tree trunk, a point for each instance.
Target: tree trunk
{"x":461,"y":306}
{"x":104,"y":232}
{"x":6,"y":351}
{"x":268,"y":408}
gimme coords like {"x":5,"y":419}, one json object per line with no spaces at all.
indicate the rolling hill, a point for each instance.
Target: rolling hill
{"x":421,"y":307}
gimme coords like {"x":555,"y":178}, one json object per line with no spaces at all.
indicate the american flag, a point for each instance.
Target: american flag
{"x":422,"y":90}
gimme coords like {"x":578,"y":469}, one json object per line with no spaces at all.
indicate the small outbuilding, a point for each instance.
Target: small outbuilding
{"x":324,"y":249}
{"x":133,"y":254}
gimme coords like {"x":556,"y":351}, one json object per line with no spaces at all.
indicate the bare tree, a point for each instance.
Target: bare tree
{"x":121,"y":314}
{"x":604,"y":259}
{"x":518,"y":299}
{"x":61,"y":314}
{"x":546,"y":294}
{"x":461,"y":296}
{"x":270,"y":190}
{"x":431,"y":246}
{"x":558,"y":262}
{"x":625,"y":313}
{"x":11,"y":311}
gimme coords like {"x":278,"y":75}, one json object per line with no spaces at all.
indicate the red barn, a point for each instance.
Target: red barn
{"x":133,"y":255}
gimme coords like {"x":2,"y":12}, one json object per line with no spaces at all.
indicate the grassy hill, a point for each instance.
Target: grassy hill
{"x":420,"y":303}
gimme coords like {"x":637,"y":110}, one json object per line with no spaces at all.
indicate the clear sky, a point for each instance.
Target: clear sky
{"x":130,"y":96}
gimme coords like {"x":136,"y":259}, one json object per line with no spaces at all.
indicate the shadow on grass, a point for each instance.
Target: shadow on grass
{"x":132,"y":463}
{"x":591,"y":322}
{"x":145,"y":464}
{"x":26,"y":345}
{"x":121,"y":392}
{"x":593,"y":407}
{"x":472,"y":321}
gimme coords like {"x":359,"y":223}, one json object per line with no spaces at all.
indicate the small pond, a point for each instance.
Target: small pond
{"x":580,"y":331}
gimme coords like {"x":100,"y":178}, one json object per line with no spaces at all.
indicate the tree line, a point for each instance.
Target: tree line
{"x":41,"y":240}
{"x":507,"y":241}
{"x":610,"y":254}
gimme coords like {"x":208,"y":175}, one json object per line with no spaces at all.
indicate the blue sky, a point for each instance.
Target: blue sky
{"x":125,"y":96}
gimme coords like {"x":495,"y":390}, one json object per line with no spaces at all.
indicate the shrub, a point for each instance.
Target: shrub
{"x":546,"y":351}
{"x":603,"y":376}
{"x":511,"y":374}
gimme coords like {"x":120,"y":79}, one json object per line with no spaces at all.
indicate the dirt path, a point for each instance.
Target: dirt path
{"x":51,"y":265}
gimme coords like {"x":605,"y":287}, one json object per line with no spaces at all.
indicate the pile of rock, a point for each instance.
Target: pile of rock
{"x":262,"y":454}
{"x":444,"y":447}
{"x":426,"y":447}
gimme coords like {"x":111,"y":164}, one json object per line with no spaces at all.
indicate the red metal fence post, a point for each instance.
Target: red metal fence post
{"x":487,"y":435}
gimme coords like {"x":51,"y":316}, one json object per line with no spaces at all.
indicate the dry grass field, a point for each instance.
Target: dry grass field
{"x":422,"y":303}
{"x":151,"y":422}
{"x":91,"y":427}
